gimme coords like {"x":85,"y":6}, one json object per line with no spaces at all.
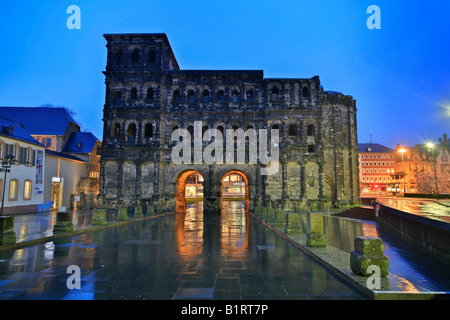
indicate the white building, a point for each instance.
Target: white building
{"x":23,"y":188}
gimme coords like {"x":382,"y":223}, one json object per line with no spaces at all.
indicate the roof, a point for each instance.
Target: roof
{"x":39,"y":120}
{"x":373,"y":147}
{"x":63,"y":155}
{"x":80,"y":142}
{"x":11,"y":129}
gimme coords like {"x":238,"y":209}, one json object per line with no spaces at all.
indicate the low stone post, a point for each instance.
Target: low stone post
{"x":63,"y":222}
{"x":270,"y":215}
{"x":293,"y":222}
{"x":122,"y":214}
{"x":369,"y":251}
{"x":7,"y":234}
{"x":139,"y":212}
{"x":280,"y":219}
{"x":264,"y":212}
{"x":159,"y":209}
{"x":315,"y":237}
{"x":99,"y":218}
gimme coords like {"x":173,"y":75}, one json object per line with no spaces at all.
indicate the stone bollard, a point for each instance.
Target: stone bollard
{"x":159,"y":209}
{"x":315,"y":237}
{"x":122,"y":214}
{"x":258,"y":211}
{"x":293,"y":222}
{"x":63,"y":222}
{"x":99,"y":218}
{"x":280,"y":219}
{"x":7,"y":234}
{"x":139,"y":212}
{"x":264,"y":211}
{"x":369,"y":251}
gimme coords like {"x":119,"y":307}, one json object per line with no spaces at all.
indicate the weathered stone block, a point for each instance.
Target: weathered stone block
{"x":315,"y":236}
{"x":7,"y":234}
{"x":316,"y":240}
{"x":270,"y":215}
{"x":280,"y":218}
{"x":99,"y":217}
{"x":293,"y":222}
{"x":63,"y":222}
{"x":369,"y":252}
{"x":139,"y":212}
{"x":314,"y":222}
{"x":122,"y":214}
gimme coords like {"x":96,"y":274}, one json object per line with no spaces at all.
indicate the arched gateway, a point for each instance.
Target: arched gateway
{"x":148,"y":100}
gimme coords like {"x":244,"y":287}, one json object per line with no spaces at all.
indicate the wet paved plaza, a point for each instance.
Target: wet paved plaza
{"x":176,"y":256}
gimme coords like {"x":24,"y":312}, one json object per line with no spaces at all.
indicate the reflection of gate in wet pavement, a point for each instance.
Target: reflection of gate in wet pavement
{"x":193,"y":226}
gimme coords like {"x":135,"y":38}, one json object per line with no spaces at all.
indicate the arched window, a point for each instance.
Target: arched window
{"x":133,"y":93}
{"x":119,"y":56}
{"x":305,"y":92}
{"x":205,"y":96}
{"x":274,"y":94}
{"x":176,"y":96}
{"x":311,"y":148}
{"x":220,"y":96}
{"x":191,"y":96}
{"x":235,"y":96}
{"x":150,"y":93}
{"x":310,"y":130}
{"x":276,"y":126}
{"x":13,"y":188}
{"x":115,"y":130}
{"x":249,"y":96}
{"x":135,"y":56}
{"x":152,"y":56}
{"x":292,"y":130}
{"x":148,"y":131}
{"x":131,"y":133}
{"x":27,"y":190}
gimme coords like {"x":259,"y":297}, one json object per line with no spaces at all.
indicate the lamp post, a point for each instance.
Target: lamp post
{"x":402,"y":151}
{"x":431,"y":146}
{"x":6,"y":165}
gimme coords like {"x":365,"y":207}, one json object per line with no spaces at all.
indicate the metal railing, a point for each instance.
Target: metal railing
{"x":345,"y":204}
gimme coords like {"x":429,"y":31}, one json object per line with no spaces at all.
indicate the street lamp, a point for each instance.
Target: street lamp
{"x":431,"y":146}
{"x":6,"y":165}
{"x":402,"y":151}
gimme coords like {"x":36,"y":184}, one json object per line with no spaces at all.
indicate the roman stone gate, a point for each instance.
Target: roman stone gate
{"x":165,"y":128}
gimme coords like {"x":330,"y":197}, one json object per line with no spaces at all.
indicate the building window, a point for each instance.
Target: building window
{"x":275,"y":94}
{"x":152,"y":56}
{"x":205,"y":96}
{"x":148,"y":131}
{"x":115,"y":130}
{"x":150,"y":94}
{"x":235,"y":96}
{"x":191,"y":96}
{"x":135,"y":56}
{"x":292,"y":130}
{"x":305,"y":92}
{"x":310,"y":130}
{"x":176,"y":96}
{"x":27,"y":190}
{"x":13,"y":187}
{"x":249,"y":96}
{"x":119,"y":56}
{"x":220,"y":96}
{"x":133,"y":93}
{"x":131,"y":133}
{"x":311,"y":148}
{"x":117,"y":98}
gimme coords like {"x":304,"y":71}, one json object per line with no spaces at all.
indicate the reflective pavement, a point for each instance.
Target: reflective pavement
{"x":175,"y":256}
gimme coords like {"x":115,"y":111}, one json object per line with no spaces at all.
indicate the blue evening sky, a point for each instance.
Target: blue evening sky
{"x":399,"y":75}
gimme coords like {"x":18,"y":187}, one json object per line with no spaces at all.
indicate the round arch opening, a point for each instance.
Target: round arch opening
{"x":234,"y":187}
{"x":189,"y":189}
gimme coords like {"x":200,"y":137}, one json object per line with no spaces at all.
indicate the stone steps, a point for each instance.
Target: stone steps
{"x":361,"y":213}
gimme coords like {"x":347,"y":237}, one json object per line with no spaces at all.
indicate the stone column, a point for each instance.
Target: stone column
{"x":122,"y":214}
{"x":7,"y":234}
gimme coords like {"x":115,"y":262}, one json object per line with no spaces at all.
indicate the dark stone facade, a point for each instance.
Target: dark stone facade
{"x":148,"y":96}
